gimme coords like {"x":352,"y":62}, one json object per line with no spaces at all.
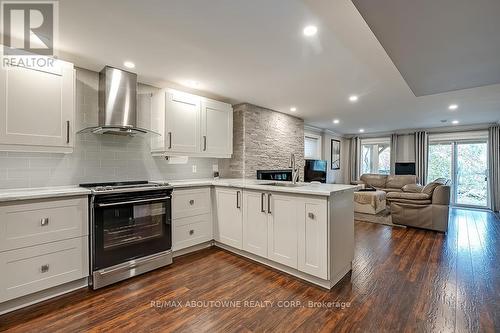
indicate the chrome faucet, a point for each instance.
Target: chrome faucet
{"x":295,"y":170}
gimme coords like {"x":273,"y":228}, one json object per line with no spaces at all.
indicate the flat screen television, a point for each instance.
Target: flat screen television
{"x":315,"y":170}
{"x":405,"y":168}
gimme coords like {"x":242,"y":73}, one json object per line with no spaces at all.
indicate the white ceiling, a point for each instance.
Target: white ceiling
{"x":438,"y":46}
{"x":254,"y":51}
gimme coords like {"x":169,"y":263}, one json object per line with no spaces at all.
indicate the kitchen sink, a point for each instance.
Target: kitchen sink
{"x":284,"y":184}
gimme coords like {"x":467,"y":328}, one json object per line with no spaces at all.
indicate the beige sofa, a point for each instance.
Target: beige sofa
{"x":422,"y":207}
{"x":387,"y":183}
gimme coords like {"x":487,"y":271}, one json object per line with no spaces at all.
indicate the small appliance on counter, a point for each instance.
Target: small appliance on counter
{"x":279,"y":175}
{"x":130,"y":229}
{"x":315,"y":171}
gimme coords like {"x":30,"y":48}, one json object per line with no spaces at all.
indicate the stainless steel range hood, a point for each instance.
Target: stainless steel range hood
{"x":117,"y":104}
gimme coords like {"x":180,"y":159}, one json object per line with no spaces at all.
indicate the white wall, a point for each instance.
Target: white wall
{"x":336,"y":176}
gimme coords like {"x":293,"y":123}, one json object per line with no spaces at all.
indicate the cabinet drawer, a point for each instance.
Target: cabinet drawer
{"x":32,"y":223}
{"x":36,"y":268}
{"x":190,"y":202}
{"x":190,"y":231}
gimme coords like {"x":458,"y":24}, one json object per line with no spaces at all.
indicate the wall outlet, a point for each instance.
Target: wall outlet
{"x":194,"y":168}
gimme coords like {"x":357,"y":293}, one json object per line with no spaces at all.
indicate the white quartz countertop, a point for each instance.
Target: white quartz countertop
{"x":74,"y":190}
{"x":41,"y":192}
{"x":303,"y":188}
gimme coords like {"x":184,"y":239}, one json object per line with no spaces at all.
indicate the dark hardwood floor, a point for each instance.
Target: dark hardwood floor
{"x":403,"y":280}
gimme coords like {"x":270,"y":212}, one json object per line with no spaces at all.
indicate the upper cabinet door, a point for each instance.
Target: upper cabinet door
{"x":37,"y":108}
{"x":182,"y":122}
{"x":217,"y":128}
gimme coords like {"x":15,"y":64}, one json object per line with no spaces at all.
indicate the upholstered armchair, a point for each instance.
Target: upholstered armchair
{"x":422,"y":207}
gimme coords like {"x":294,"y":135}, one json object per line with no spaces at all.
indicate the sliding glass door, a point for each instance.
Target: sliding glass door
{"x":471,"y":174}
{"x":465,"y":163}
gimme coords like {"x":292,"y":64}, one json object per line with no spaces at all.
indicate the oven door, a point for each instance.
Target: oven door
{"x":130,"y":226}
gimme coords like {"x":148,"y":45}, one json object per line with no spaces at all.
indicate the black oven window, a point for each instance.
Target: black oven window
{"x":126,"y":225}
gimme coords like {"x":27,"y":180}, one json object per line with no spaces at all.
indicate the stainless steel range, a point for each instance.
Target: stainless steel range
{"x":131,"y":229}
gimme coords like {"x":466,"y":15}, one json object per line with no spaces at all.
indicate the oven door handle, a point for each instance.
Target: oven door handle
{"x":131,"y":202}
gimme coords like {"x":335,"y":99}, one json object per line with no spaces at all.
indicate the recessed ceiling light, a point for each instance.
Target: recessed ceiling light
{"x":453,"y":107}
{"x":129,"y":64}
{"x":336,"y":121}
{"x":310,"y":30}
{"x":192,"y":83}
{"x":353,"y":98}
{"x":455,"y":122}
{"x":361,"y":130}
{"x":293,"y":109}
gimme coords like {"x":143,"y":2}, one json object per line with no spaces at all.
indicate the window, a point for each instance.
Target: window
{"x":375,"y":156}
{"x":312,"y":146}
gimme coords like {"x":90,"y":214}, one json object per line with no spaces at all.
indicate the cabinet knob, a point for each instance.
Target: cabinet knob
{"x":191,"y":232}
{"x":191,"y":202}
{"x":311,"y":215}
{"x":44,"y":268}
{"x":44,"y":221}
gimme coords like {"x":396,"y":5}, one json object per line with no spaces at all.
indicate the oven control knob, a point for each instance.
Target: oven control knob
{"x":191,"y":202}
{"x":191,"y":232}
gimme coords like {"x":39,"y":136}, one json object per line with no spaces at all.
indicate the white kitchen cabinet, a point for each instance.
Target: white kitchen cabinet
{"x":288,"y":229}
{"x":32,"y":269}
{"x":313,"y":237}
{"x":255,"y":220}
{"x":191,"y":217}
{"x":37,"y":108}
{"x":216,"y":127}
{"x":191,"y":125}
{"x":282,"y":229}
{"x":44,"y":244}
{"x":182,"y":119}
{"x":229,"y":216}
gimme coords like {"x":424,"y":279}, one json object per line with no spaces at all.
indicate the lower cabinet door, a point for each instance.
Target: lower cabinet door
{"x":313,"y":237}
{"x":229,"y":217}
{"x":32,"y":269}
{"x":193,"y":230}
{"x":255,"y":222}
{"x":282,"y":229}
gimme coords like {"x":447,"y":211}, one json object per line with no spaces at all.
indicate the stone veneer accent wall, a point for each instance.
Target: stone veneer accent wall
{"x":263,"y":139}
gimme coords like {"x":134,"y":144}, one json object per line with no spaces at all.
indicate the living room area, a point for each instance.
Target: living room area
{"x":413,"y":177}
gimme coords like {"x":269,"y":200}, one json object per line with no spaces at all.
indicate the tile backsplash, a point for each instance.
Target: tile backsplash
{"x":96,"y":158}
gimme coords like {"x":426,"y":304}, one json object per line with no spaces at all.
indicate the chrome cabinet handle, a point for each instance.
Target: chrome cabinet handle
{"x":67,"y":131}
{"x":44,"y":268}
{"x":238,"y":199}
{"x":191,"y":202}
{"x":204,"y":143}
{"x":269,"y":203}
{"x":44,"y":221}
{"x":131,"y":202}
{"x":262,"y":198}
{"x":311,"y":215}
{"x":169,"y":140}
{"x":191,"y":232}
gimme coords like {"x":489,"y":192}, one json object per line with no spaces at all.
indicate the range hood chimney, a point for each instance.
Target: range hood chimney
{"x":117,"y":104}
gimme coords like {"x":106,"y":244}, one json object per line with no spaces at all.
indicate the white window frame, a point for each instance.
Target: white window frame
{"x":371,"y":141}
{"x":319,"y":149}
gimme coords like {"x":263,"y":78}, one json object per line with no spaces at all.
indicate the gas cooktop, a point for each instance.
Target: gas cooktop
{"x":128,"y":186}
